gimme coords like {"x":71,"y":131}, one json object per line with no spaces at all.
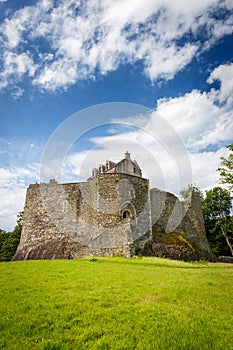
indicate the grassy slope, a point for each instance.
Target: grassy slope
{"x":116,"y":303}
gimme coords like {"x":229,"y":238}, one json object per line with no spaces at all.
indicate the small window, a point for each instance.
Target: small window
{"x":126,"y":214}
{"x":131,"y":194}
{"x":134,"y":170}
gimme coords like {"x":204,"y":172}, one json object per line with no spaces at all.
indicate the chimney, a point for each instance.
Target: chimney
{"x":127,"y":155}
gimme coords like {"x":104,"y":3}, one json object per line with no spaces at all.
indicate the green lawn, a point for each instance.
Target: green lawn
{"x":116,"y":303}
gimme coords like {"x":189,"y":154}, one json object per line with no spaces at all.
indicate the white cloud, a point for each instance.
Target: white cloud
{"x":13,"y":190}
{"x":17,"y":93}
{"x":161,"y":65}
{"x":198,"y":117}
{"x":60,"y":73}
{"x":12,"y":202}
{"x":71,"y":40}
{"x":223,"y":73}
{"x":204,"y":166}
{"x":15,"y":66}
{"x":19,"y":167}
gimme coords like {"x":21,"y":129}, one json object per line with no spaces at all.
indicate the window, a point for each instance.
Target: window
{"x":126,"y":214}
{"x":131,"y":194}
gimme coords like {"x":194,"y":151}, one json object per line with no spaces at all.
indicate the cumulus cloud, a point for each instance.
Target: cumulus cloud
{"x":198,"y":117}
{"x":15,"y":66}
{"x":55,"y":44}
{"x":223,"y":73}
{"x":204,"y":167}
{"x":12,"y":202}
{"x":199,"y":121}
{"x":13,"y":184}
{"x":19,"y":167}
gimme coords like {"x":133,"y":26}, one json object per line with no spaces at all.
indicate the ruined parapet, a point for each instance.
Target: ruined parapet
{"x":170,"y":215}
{"x":51,"y":212}
{"x":166,"y":210}
{"x":193,"y":227}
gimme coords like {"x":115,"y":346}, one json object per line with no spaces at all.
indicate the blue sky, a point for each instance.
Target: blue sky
{"x":58,"y":58}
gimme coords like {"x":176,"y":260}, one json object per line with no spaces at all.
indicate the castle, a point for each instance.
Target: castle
{"x":113,"y":213}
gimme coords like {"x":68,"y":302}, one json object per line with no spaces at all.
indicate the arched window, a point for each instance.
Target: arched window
{"x":126,"y":214}
{"x":128,"y":211}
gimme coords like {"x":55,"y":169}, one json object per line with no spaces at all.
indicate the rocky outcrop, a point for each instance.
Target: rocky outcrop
{"x":226,"y":259}
{"x":56,"y":248}
{"x":169,"y":245}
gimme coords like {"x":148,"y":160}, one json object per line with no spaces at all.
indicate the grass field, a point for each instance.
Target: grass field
{"x":116,"y":303}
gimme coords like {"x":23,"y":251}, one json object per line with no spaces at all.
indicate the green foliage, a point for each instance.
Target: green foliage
{"x":217,"y":240}
{"x":93,"y":260}
{"x":216,"y":211}
{"x":117,"y":303}
{"x":186,"y":192}
{"x":217,"y":204}
{"x":3,"y":236}
{"x":20,"y":220}
{"x":226,"y":171}
{"x":9,"y":240}
{"x":8,"y":245}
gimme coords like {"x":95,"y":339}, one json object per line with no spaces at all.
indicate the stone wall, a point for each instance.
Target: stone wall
{"x":169,"y":245}
{"x":194,"y":228}
{"x":111,"y":214}
{"x":169,"y":214}
{"x":90,"y":214}
{"x":126,"y":166}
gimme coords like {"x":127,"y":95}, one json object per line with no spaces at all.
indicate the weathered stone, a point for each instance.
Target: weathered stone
{"x":169,"y":245}
{"x":226,"y":259}
{"x":113,"y":213}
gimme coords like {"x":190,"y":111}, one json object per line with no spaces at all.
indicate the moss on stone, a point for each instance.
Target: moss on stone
{"x":173,"y":239}
{"x":169,"y":245}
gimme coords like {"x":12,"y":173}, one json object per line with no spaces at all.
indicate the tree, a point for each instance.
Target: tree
{"x":226,"y":171}
{"x":9,"y":240}
{"x":3,"y":237}
{"x":186,"y":192}
{"x":216,"y":211}
{"x":19,"y":222}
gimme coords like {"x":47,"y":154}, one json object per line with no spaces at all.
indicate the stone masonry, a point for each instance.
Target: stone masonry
{"x":113,"y":213}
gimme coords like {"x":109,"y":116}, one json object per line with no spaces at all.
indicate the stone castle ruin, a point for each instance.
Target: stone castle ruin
{"x":113,"y":213}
